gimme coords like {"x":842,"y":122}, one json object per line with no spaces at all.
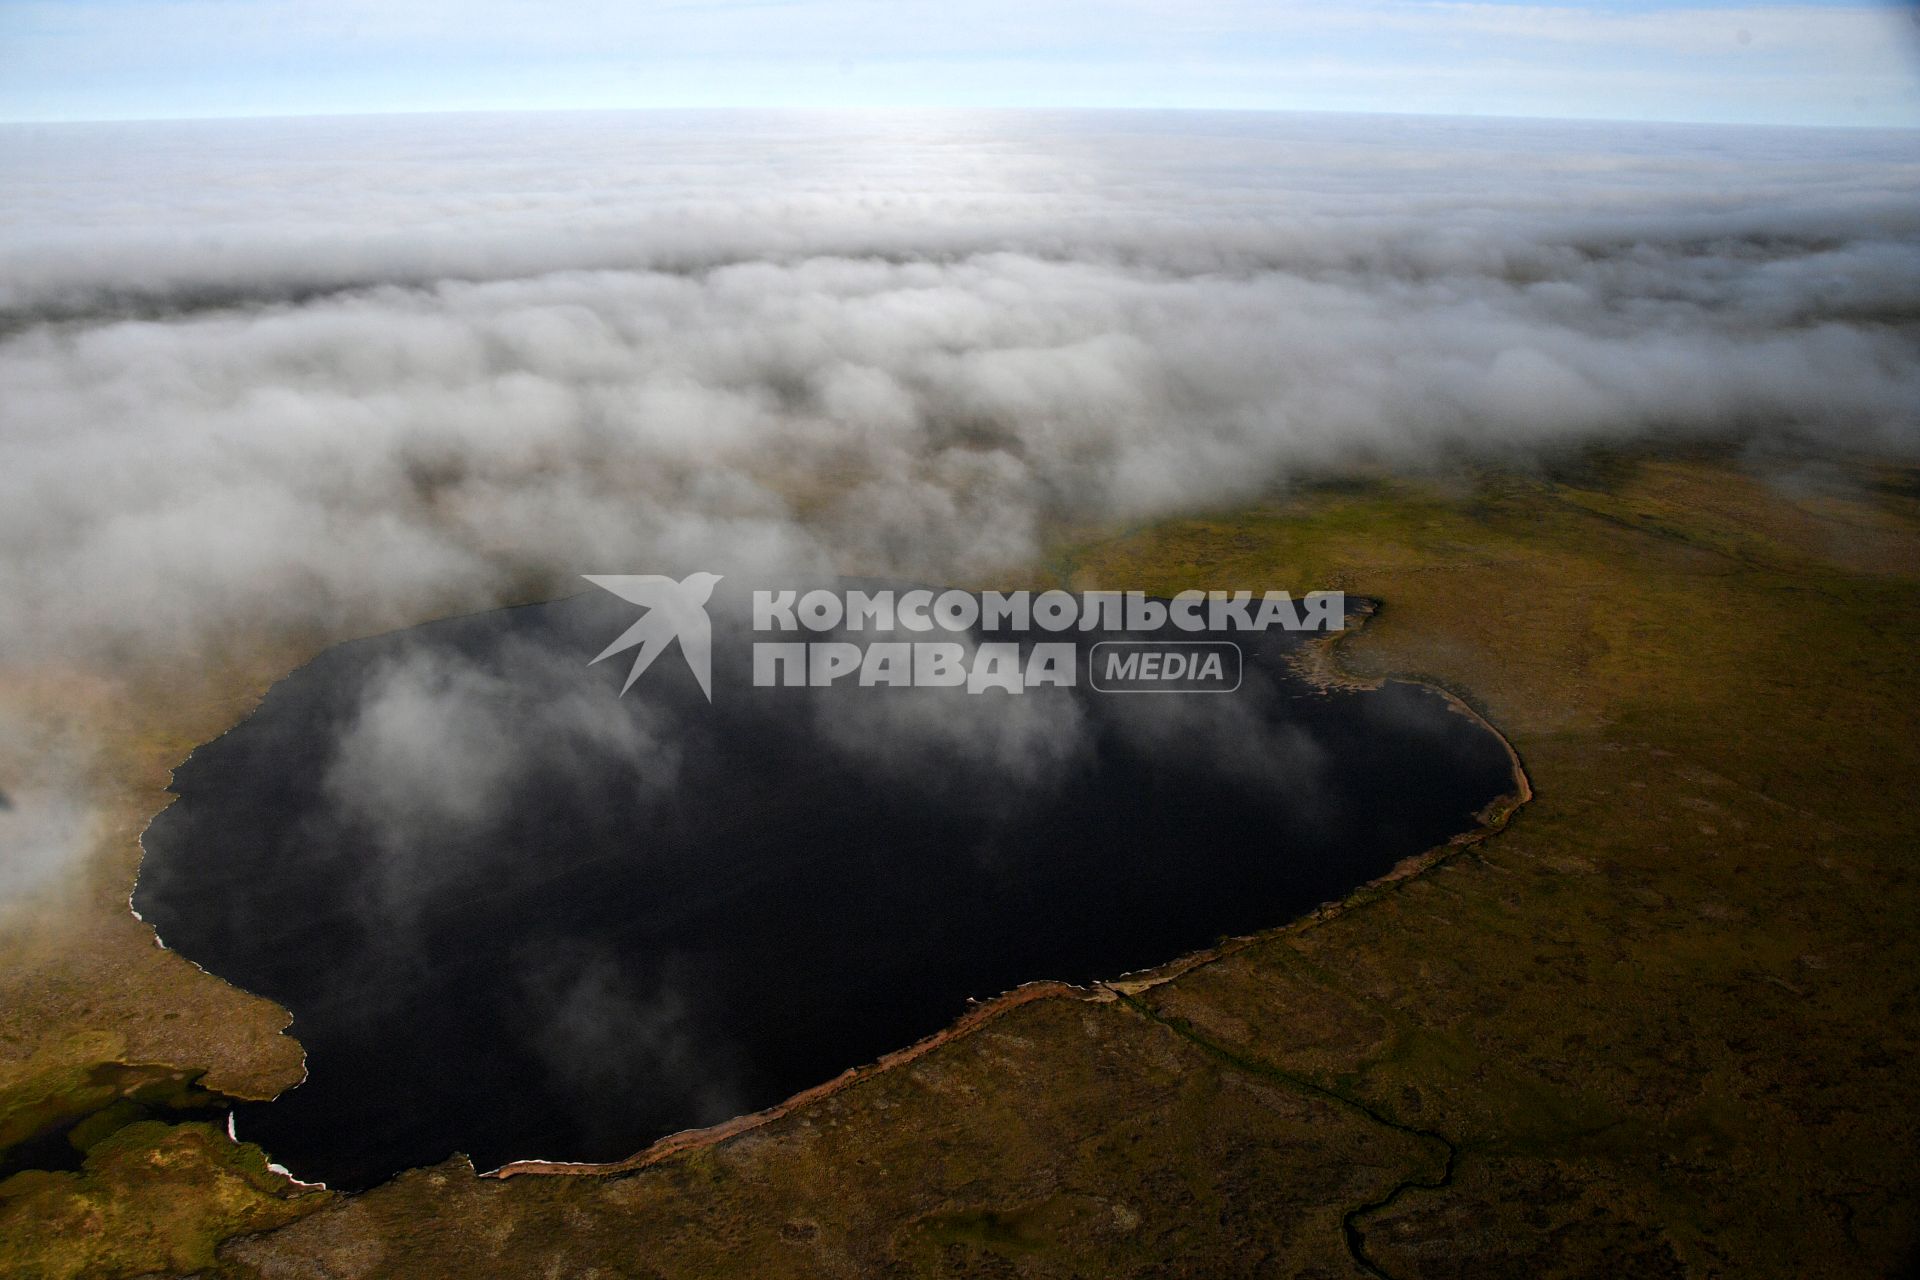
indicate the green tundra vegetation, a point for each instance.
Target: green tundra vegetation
{"x":1660,"y":1022}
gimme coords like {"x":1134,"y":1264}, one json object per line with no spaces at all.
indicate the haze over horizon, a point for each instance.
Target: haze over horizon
{"x":1815,"y":62}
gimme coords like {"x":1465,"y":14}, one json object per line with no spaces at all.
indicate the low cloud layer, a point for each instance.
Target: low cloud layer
{"x":350,"y":373}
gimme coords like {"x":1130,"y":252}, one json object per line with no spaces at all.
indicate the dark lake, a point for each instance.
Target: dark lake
{"x":518,"y":916}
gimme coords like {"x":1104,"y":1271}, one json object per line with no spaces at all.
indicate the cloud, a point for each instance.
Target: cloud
{"x":942,"y":742}
{"x":1247,"y":739}
{"x":49,"y":818}
{"x":612,"y":1039}
{"x":349,"y":373}
{"x":441,"y":747}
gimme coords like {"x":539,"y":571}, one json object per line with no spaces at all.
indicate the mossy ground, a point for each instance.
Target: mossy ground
{"x":150,"y":1197}
{"x":1662,"y":1024}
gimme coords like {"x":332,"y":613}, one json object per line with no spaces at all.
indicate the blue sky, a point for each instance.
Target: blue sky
{"x":1805,"y":63}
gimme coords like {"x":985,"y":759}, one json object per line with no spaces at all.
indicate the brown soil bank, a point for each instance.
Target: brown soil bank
{"x":1662,"y":1024}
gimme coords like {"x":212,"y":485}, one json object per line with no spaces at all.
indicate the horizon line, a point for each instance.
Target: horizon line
{"x":924,"y":109}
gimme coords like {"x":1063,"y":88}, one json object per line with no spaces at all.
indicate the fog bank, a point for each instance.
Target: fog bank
{"x":347,"y":372}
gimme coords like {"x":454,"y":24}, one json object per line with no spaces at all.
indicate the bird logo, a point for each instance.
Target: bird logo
{"x":674,"y":610}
